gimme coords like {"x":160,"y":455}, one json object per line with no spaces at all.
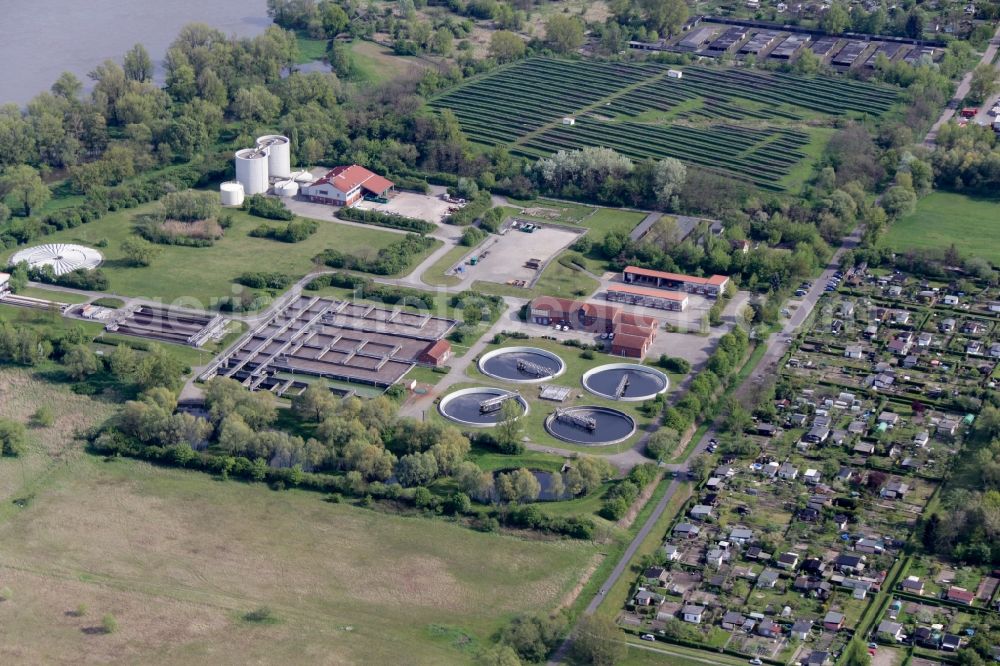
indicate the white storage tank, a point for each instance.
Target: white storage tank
{"x":303,"y":177}
{"x":286,"y":188}
{"x":251,"y":170}
{"x":279,"y":155}
{"x":231,"y":193}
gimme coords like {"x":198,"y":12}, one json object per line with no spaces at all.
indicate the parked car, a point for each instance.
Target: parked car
{"x":648,"y":637}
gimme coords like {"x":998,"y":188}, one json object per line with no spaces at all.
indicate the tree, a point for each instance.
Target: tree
{"x":564,"y":34}
{"x":256,"y":104}
{"x":43,"y":417}
{"x":856,"y":654}
{"x":139,"y":251}
{"x":700,"y":466}
{"x":443,"y":41}
{"x":80,"y":362}
{"x":315,"y":403}
{"x":333,"y":18}
{"x":508,"y":429}
{"x":67,"y":86}
{"x":24,"y":188}
{"x":526,"y":487}
{"x":498,"y":655}
{"x":532,"y":637}
{"x":899,"y":201}
{"x":984,"y":82}
{"x":836,"y":20}
{"x":669,"y":175}
{"x":598,"y":641}
{"x":665,"y":16}
{"x":807,"y":62}
{"x":13,"y":441}
{"x":138,"y":65}
{"x":662,"y":443}
{"x":914,"y":28}
{"x":506,"y":47}
{"x":416,"y":469}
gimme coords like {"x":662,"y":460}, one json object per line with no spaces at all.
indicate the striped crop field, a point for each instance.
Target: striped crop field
{"x":748,"y":124}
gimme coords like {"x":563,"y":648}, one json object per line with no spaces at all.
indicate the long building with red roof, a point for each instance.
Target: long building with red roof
{"x":708,"y":286}
{"x":647,"y":297}
{"x":346,"y":185}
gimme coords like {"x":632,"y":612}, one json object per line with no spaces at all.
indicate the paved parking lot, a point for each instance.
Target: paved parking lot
{"x":506,"y":255}
{"x":410,"y":204}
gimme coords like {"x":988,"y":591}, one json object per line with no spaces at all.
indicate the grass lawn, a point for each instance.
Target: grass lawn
{"x":377,"y":64}
{"x":435,"y":275}
{"x":800,"y":173}
{"x":179,"y":557}
{"x":53,"y":295}
{"x":642,"y":653}
{"x":310,"y":49}
{"x":946,"y":218}
{"x":200,"y":276}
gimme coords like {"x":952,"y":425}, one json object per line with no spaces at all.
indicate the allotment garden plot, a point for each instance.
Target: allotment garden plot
{"x":749,"y":124}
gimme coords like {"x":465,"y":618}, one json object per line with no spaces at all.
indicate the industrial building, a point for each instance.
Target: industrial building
{"x":791,"y":45}
{"x":915,"y":54}
{"x":710,"y":286}
{"x":354,"y":343}
{"x":649,"y":298}
{"x":760,"y":42}
{"x":849,"y":54}
{"x":347,"y":185}
{"x":696,"y":39}
{"x":824,"y":47}
{"x":633,"y":333}
{"x":728,"y":40}
{"x":889,"y":49}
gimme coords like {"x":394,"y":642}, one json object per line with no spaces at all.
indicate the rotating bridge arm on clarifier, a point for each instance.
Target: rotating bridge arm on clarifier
{"x":530,"y":368}
{"x":585,"y":422}
{"x":493,"y":404}
{"x":622,"y":386}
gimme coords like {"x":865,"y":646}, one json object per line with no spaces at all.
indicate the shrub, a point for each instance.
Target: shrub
{"x":391,"y":259}
{"x":674,"y":364}
{"x":293,"y":232}
{"x":189,"y":205}
{"x":260,"y":615}
{"x":390,"y":220}
{"x":43,"y":417}
{"x":263,"y":280}
{"x":472,"y":211}
{"x":270,"y":208}
{"x":472,"y":236}
{"x":109,"y":624}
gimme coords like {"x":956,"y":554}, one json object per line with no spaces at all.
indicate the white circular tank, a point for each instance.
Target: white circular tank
{"x":231,"y":193}
{"x":251,"y":170}
{"x":303,"y":177}
{"x":279,"y":155}
{"x":61,"y":257}
{"x":286,"y":188}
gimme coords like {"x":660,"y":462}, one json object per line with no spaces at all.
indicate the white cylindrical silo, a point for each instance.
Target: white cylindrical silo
{"x":279,"y":155}
{"x":286,"y":188}
{"x":251,"y":170}
{"x":231,"y":193}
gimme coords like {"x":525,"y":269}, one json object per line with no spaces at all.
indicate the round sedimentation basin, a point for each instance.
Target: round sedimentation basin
{"x":629,"y":382}
{"x":526,"y":365}
{"x":610,"y":426}
{"x":464,"y":406}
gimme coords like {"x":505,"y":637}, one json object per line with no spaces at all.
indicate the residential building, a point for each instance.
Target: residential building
{"x":833,"y":621}
{"x":890,"y":631}
{"x":437,"y":354}
{"x":788,"y":561}
{"x":788,"y":471}
{"x":913,"y":585}
{"x":768,"y":578}
{"x":960,"y":595}
{"x":692,"y":613}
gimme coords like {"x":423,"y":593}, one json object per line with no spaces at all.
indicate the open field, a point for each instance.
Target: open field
{"x":945,"y":218}
{"x":179,"y":557}
{"x":693,"y":119}
{"x":378,"y":64}
{"x":199,"y":276}
{"x":49,"y":295}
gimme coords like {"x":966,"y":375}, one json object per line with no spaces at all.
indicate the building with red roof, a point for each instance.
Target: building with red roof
{"x":710,"y":286}
{"x":633,"y":333}
{"x":347,"y":185}
{"x":437,"y":353}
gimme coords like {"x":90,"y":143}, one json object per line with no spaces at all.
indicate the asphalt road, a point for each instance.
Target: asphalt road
{"x":777,"y":344}
{"x":963,"y":89}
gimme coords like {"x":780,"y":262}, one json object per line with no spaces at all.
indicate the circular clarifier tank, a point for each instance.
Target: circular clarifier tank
{"x":528,"y":365}
{"x":625,"y":381}
{"x":478,"y":407}
{"x":590,"y":425}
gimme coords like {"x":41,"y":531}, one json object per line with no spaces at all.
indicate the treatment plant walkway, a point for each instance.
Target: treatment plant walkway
{"x":766,"y":367}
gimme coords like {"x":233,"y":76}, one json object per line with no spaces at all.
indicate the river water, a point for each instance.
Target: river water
{"x":40,"y":39}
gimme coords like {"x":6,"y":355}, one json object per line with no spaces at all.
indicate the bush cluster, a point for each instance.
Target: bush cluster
{"x":293,"y":232}
{"x":391,"y":259}
{"x":270,"y":208}
{"x":390,"y":220}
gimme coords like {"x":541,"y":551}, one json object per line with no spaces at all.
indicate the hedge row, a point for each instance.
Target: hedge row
{"x":390,"y":220}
